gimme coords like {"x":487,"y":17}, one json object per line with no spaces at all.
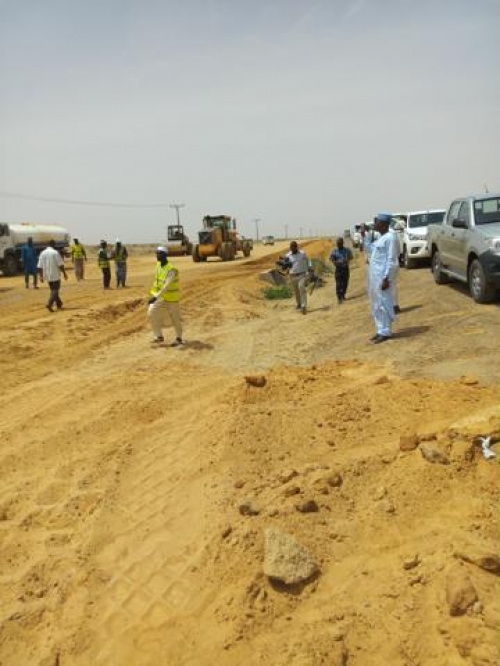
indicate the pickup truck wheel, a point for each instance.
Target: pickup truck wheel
{"x":9,"y":265}
{"x":480,"y":290}
{"x":439,"y":278}
{"x":407,"y":262}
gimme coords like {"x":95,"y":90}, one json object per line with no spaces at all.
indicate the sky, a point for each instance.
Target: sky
{"x":308,"y":116}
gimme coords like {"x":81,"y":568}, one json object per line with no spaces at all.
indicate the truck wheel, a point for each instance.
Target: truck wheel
{"x":407,"y":262}
{"x":196,"y":254}
{"x":480,"y":290}
{"x":246,"y":250}
{"x":231,"y":252}
{"x":439,"y":278}
{"x":9,"y":265}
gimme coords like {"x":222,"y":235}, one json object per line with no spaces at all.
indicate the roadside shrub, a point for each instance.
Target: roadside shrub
{"x":276,"y":293}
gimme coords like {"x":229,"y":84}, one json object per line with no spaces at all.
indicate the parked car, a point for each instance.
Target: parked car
{"x":268,"y":240}
{"x":466,"y":245}
{"x":414,"y":246}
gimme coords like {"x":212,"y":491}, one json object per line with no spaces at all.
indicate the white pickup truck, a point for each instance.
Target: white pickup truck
{"x":14,"y":236}
{"x":466,"y":246}
{"x":414,"y":246}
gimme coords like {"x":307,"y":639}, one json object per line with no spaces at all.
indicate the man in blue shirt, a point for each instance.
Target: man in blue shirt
{"x":29,"y":258}
{"x":340,"y":257}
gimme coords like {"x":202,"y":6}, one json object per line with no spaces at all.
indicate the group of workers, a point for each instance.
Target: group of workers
{"x":381,"y":246}
{"x":163,"y":303}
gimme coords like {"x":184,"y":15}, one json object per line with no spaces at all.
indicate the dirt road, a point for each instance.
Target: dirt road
{"x":124,"y":468}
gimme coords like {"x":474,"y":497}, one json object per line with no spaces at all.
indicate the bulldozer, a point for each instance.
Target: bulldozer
{"x":178,"y":244}
{"x":219,"y":238}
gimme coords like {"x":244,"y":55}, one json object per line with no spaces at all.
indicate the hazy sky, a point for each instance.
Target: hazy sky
{"x":313,"y":114}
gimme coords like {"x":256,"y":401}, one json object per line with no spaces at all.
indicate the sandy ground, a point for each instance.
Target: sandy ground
{"x":124,"y":467}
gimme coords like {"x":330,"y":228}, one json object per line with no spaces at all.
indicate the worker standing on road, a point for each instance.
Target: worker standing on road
{"x":381,"y":274}
{"x":50,"y":267}
{"x":164,"y":301}
{"x":103,"y":261}
{"x":341,"y":257}
{"x":298,"y":264}
{"x":120,"y":256}
{"x":78,"y":257}
{"x":29,"y":258}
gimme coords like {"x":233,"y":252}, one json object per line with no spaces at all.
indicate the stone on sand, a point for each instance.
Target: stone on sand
{"x":286,"y":560}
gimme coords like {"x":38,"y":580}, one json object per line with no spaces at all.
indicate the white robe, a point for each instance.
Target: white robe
{"x":382,"y":265}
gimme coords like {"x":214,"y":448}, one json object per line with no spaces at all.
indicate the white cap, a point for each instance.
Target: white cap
{"x":162,"y":248}
{"x":117,"y":240}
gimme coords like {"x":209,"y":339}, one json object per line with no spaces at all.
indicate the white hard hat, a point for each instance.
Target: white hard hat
{"x":162,"y":248}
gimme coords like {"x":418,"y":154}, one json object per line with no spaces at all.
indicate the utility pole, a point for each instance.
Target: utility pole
{"x":300,"y":232}
{"x":286,"y":231}
{"x":257,"y":220}
{"x":177,"y":206}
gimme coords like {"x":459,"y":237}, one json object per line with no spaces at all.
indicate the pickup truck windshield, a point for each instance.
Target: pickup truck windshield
{"x":424,"y":219}
{"x":487,"y":211}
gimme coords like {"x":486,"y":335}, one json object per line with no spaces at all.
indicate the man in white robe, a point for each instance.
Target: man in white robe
{"x":382,"y":269}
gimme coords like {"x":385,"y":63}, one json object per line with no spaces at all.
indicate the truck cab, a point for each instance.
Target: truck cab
{"x":415,"y":248}
{"x":466,"y":246}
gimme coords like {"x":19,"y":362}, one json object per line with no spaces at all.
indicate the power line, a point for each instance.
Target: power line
{"x":78,"y":202}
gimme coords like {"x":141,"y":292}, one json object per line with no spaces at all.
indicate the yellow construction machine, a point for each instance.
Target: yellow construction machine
{"x":178,"y":242}
{"x":219,"y":238}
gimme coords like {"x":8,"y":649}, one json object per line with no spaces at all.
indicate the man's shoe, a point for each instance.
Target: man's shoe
{"x":303,"y":310}
{"x":177,"y":342}
{"x":297,"y":307}
{"x":397,"y":309}
{"x":374,"y":337}
{"x":381,"y":338}
{"x":158,"y":340}
{"x":49,"y":308}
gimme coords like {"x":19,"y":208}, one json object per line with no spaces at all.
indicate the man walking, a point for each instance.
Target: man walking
{"x":381,"y":274}
{"x":341,"y":257}
{"x":78,"y":257}
{"x":164,"y":301}
{"x":298,"y":263}
{"x":120,"y":256}
{"x":28,"y":255}
{"x":103,"y":262}
{"x":50,"y":267}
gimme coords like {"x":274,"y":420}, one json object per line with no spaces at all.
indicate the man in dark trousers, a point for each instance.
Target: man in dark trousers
{"x":340,"y":257}
{"x":103,"y":261}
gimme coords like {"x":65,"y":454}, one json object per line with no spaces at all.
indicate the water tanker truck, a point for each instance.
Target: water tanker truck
{"x":14,"y":236}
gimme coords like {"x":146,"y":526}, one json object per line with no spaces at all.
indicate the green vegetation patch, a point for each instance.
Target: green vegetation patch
{"x":276,"y":293}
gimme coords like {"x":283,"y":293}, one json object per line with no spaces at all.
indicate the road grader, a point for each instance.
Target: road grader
{"x":219,"y":238}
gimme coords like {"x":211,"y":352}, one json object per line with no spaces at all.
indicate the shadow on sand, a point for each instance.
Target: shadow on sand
{"x":411,"y":331}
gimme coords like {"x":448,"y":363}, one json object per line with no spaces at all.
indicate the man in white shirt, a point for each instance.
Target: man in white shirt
{"x":382,"y":266}
{"x":298,"y":263}
{"x":50,"y":267}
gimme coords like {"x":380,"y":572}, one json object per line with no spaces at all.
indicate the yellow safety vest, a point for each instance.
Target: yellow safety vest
{"x":103,"y":259}
{"x":78,"y":252}
{"x":120,"y":255}
{"x":172,"y":293}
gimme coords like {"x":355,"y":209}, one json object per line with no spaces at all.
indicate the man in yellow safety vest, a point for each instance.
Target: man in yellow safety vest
{"x":164,"y":299}
{"x":79,"y":257}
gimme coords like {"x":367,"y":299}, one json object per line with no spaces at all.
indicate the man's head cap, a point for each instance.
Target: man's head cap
{"x":162,"y":249}
{"x":384,"y":217}
{"x":118,"y":241}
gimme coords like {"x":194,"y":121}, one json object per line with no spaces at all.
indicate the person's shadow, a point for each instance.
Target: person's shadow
{"x":197,"y":345}
{"x":411,"y":331}
{"x":410,"y":308}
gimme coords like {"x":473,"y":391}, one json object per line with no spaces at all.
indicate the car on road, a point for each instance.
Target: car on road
{"x":466,"y":245}
{"x":414,"y":246}
{"x":268,"y":240}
